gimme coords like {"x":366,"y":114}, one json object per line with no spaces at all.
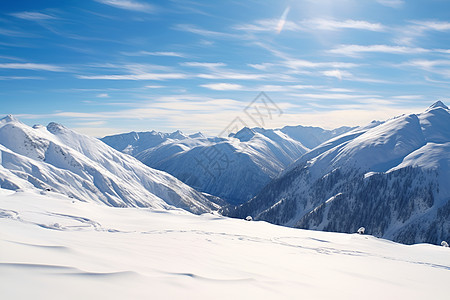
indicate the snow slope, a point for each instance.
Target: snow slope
{"x":233,"y":168}
{"x":392,"y":178}
{"x":59,"y":159}
{"x":135,"y":142}
{"x":54,"y":248}
{"x":311,"y":137}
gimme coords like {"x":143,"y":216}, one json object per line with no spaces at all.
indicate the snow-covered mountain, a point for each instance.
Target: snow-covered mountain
{"x":57,"y":159}
{"x":393,"y":178}
{"x":310,"y":136}
{"x":233,"y":168}
{"x":135,"y":142}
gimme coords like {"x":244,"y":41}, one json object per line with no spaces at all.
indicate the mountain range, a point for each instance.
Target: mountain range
{"x":393,"y":178}
{"x":390,"y":177}
{"x":234,"y":168}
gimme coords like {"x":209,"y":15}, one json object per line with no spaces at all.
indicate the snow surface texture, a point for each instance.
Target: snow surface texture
{"x":392,"y":178}
{"x":52,"y":247}
{"x":58,"y":159}
{"x":235,"y":168}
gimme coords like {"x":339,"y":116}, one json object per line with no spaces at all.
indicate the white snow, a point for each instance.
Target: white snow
{"x":52,"y":247}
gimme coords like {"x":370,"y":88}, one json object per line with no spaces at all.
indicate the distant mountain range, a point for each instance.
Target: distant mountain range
{"x":57,"y":159}
{"x":393,"y":178}
{"x":234,"y":168}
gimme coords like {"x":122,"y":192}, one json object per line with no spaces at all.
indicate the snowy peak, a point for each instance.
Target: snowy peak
{"x":177,"y":135}
{"x":55,"y":128}
{"x":435,"y":123}
{"x":9,"y":119}
{"x":135,"y":142}
{"x":438,"y":104}
{"x":245,"y":134}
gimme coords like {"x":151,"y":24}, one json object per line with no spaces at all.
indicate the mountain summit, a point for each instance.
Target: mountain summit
{"x":438,"y":104}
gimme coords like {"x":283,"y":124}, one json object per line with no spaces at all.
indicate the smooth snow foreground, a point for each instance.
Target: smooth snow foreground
{"x":53,"y":247}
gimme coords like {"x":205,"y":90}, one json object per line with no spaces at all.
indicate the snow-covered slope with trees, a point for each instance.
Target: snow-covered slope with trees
{"x":58,"y":159}
{"x":233,"y":168}
{"x":54,"y":248}
{"x":392,"y":178}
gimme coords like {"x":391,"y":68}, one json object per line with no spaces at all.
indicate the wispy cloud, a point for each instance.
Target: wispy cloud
{"x":392,"y":3}
{"x":32,"y":66}
{"x":203,"y":32}
{"x":131,"y":68}
{"x":103,"y":95}
{"x":204,"y":64}
{"x":299,"y":63}
{"x":91,"y":123}
{"x":216,"y":71}
{"x":10,"y":58}
{"x":20,"y":78}
{"x":334,"y":96}
{"x":259,"y":88}
{"x":14,"y":33}
{"x":272,"y":25}
{"x":262,"y":66}
{"x":268,"y":25}
{"x":156,"y":53}
{"x":33,"y":16}
{"x":143,"y":76}
{"x":337,"y":74}
{"x":329,"y":24}
{"x":432,"y":25}
{"x":440,"y":66}
{"x":129,"y":5}
{"x":222,"y":86}
{"x":154,"y":86}
{"x":406,"y":35}
{"x":428,"y":64}
{"x":355,"y":50}
{"x":284,"y":88}
{"x":233,"y":75}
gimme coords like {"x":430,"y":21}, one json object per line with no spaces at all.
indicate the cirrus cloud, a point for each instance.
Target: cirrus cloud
{"x":222,"y":86}
{"x":129,"y":5}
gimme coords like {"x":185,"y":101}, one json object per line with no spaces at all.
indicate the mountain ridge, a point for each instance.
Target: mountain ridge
{"x":57,"y":159}
{"x":245,"y":161}
{"x":392,"y":178}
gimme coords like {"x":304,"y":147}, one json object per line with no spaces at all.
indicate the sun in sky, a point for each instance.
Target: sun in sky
{"x":109,"y":66}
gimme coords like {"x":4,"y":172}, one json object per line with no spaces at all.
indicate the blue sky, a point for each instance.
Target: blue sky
{"x":110,"y":66}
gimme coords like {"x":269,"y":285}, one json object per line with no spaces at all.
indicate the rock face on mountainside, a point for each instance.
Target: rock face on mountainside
{"x":57,"y":159}
{"x":234,"y":168}
{"x":392,"y":178}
